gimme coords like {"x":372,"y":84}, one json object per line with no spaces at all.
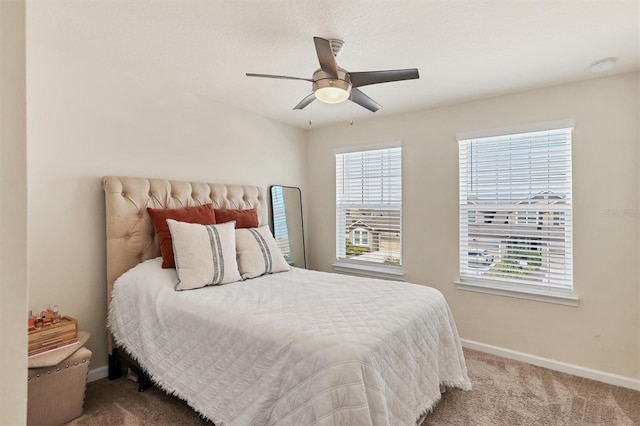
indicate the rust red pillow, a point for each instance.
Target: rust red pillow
{"x":202,"y":215}
{"x":244,"y":218}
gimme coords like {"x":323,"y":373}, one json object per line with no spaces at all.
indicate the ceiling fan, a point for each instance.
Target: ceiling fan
{"x":332,"y":84}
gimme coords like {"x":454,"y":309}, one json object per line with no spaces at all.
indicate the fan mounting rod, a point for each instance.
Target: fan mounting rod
{"x":336,"y":46}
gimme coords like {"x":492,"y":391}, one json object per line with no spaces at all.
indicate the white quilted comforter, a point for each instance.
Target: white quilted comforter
{"x":294,"y":348}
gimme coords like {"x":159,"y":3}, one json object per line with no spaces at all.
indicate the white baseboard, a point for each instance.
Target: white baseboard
{"x":98,"y":373}
{"x":576,"y":370}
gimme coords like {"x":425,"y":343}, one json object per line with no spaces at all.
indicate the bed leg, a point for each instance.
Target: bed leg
{"x":115,"y":366}
{"x":143,"y":382}
{"x":119,"y":359}
{"x":443,"y":388}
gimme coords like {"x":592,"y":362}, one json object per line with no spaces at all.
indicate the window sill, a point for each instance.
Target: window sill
{"x":372,"y":270}
{"x":541,"y":295}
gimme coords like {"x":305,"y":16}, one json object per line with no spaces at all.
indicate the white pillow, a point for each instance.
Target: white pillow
{"x":204,"y":254}
{"x":258,"y":253}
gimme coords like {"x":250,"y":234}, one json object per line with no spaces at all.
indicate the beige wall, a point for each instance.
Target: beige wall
{"x":603,"y":332}
{"x":86,"y":121}
{"x":13,"y":209}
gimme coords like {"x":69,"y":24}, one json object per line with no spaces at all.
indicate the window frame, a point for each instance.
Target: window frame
{"x":542,"y":292}
{"x":359,"y":267}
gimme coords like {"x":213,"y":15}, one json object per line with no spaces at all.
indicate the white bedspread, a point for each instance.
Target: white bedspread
{"x":294,"y":348}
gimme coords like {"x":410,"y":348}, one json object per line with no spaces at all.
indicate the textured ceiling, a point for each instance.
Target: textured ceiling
{"x":463,"y":49}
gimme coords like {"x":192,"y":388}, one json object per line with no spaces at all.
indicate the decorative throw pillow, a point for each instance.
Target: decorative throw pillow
{"x":258,"y":253}
{"x":244,"y":218}
{"x":199,"y":214}
{"x":204,"y":254}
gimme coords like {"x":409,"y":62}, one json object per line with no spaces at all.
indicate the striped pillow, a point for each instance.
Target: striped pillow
{"x":258,"y":253}
{"x":204,"y":254}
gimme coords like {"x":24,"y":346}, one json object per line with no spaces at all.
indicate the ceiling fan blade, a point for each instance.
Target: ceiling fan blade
{"x":325,"y":56}
{"x":306,"y":101}
{"x":374,"y":77}
{"x":282,"y":77}
{"x":364,"y":101}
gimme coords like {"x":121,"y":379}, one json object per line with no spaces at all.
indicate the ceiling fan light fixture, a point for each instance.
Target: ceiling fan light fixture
{"x":332,"y":95}
{"x":329,"y":89}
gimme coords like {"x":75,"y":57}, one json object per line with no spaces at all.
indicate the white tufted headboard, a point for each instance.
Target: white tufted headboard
{"x":130,"y":234}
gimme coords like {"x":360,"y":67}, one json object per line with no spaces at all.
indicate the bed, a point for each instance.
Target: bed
{"x":298,"y":347}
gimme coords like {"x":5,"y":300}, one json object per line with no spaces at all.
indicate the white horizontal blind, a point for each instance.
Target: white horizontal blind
{"x":515,"y":210}
{"x":369,"y":206}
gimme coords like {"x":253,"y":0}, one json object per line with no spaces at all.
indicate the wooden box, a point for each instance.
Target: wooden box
{"x":53,"y":336}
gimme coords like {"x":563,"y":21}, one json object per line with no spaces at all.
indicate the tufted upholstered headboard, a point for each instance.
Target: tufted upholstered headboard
{"x":130,"y":234}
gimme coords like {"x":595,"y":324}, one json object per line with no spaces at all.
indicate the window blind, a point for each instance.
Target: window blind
{"x":515,"y":210}
{"x":369,"y":206}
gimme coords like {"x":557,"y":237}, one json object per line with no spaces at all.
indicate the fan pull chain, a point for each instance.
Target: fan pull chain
{"x":310,"y":114}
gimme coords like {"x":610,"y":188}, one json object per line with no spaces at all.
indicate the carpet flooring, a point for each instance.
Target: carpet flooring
{"x":505,"y":392}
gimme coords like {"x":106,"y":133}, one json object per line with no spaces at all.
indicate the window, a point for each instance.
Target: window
{"x":528,"y":218}
{"x":515,"y":212}
{"x":369,"y":210}
{"x":360,"y":237}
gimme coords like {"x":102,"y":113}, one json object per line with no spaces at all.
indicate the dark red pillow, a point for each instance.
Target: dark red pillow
{"x":244,"y":218}
{"x":198,"y":214}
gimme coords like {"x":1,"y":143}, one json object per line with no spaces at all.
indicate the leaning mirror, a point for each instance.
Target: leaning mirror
{"x":286,"y":214}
